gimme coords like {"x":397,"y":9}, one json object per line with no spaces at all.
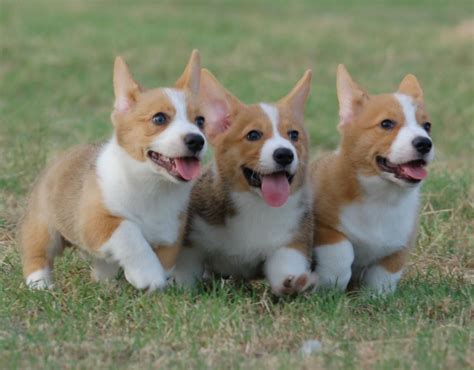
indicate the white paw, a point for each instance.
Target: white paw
{"x":334,"y":264}
{"x":287,"y":271}
{"x":292,"y":284}
{"x":133,"y":253}
{"x":150,"y":276}
{"x":381,"y":281}
{"x":40,"y":279}
{"x":329,"y":280}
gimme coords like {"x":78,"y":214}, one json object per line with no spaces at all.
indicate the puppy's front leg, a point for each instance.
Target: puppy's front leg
{"x":288,"y":271}
{"x":383,"y":276}
{"x":129,"y":248}
{"x":334,"y":256}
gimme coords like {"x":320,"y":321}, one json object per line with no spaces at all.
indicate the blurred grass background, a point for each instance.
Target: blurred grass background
{"x":56,"y":91}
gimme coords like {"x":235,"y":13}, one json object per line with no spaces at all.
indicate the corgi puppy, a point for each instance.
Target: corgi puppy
{"x":125,"y":199}
{"x":366,"y":194}
{"x":250,"y":212}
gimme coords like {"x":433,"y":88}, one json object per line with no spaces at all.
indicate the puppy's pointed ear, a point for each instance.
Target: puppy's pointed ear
{"x":410,"y":86}
{"x":295,"y":101}
{"x":351,"y":97}
{"x":218,"y":105}
{"x":126,"y":89}
{"x":192,"y":74}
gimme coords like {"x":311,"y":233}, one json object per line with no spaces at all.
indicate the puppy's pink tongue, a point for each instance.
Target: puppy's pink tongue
{"x":416,"y":172}
{"x":188,"y":168}
{"x":275,"y":189}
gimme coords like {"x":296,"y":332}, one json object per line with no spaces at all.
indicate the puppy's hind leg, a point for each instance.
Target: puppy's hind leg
{"x":39,"y":246}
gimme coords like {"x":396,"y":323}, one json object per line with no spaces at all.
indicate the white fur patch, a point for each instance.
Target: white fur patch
{"x":131,"y":251}
{"x":382,"y":222}
{"x":402,"y":149}
{"x":267,"y":163}
{"x":284,"y":263}
{"x":132,"y":191}
{"x":333,"y":264}
{"x":380,"y":280}
{"x":40,"y":279}
{"x":249,"y":237}
{"x":170,"y":142}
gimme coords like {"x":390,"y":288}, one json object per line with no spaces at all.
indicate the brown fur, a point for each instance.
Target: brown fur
{"x":210,"y":199}
{"x":168,"y":254}
{"x":65,"y":203}
{"x":395,"y":261}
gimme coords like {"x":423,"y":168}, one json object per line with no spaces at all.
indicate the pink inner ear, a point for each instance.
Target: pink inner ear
{"x":345,"y":112}
{"x":122,"y":104}
{"x":218,"y":117}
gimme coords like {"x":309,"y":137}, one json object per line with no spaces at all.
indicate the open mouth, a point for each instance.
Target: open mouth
{"x":275,"y":186}
{"x":182,"y":168}
{"x":412,"y":171}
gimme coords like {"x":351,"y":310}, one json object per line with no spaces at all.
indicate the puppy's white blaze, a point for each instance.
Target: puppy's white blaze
{"x":283,"y":263}
{"x":272,"y":113}
{"x":380,"y":280}
{"x":334,"y":263}
{"x":267,"y":162}
{"x":39,"y":279}
{"x":409,"y":111}
{"x":170,"y":142}
{"x":131,"y":251}
{"x":402,"y":149}
{"x":178,"y":99}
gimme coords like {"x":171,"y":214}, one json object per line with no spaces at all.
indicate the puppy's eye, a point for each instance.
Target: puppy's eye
{"x":200,"y":120}
{"x":159,"y":118}
{"x":427,"y":127}
{"x":293,"y":135}
{"x":254,"y":135}
{"x":387,"y":124}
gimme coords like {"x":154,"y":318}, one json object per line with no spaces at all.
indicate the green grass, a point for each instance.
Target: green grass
{"x":55,"y":72}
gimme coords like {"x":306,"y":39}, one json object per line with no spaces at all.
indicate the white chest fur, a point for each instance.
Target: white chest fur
{"x":382,"y":222}
{"x":253,"y":234}
{"x":139,"y":195}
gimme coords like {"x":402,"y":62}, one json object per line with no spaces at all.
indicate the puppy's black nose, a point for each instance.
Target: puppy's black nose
{"x":283,"y":156}
{"x":194,"y":142}
{"x":422,"y":144}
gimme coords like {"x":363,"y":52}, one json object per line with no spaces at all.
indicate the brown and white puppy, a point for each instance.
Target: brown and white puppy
{"x":366,"y":194}
{"x":250,"y":212}
{"x":124,"y":199}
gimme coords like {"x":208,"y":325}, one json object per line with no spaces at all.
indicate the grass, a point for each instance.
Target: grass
{"x":56,"y":63}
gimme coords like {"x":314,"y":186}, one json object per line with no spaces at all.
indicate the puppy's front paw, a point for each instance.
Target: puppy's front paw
{"x":39,"y":280}
{"x":151,"y":277}
{"x":292,"y":284}
{"x":381,"y":281}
